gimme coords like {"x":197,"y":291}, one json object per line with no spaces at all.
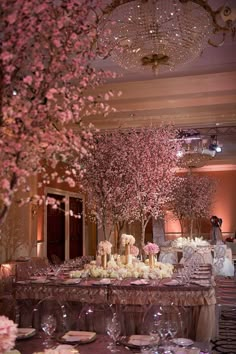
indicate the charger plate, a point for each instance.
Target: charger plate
{"x":74,"y":339}
{"x":25,"y":333}
{"x":183,"y":342}
{"x":136,"y":341}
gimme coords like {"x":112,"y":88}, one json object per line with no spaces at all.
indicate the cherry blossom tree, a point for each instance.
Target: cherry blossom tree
{"x":106,"y":182}
{"x":129,"y":176}
{"x":192,"y":198}
{"x":151,"y":161}
{"x":47,"y":81}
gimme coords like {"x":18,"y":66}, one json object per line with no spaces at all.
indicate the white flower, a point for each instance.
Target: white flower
{"x":127,"y":240}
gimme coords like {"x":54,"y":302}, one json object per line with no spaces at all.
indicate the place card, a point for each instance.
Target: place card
{"x":79,"y":336}
{"x":140,"y":340}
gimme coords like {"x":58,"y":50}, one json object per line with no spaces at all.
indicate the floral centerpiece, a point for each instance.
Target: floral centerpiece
{"x":104,"y":248}
{"x":8,"y":333}
{"x":151,"y":249}
{"x":181,"y":242}
{"x":127,"y":241}
{"x":117,"y":270}
{"x":134,"y":250}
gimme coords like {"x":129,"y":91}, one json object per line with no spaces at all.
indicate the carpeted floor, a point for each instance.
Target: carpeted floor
{"x":226,"y":340}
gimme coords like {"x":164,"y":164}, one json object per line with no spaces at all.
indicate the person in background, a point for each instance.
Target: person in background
{"x":216,"y":229}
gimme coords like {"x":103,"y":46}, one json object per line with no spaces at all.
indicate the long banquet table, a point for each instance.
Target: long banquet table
{"x":199,"y":300}
{"x":99,"y":346}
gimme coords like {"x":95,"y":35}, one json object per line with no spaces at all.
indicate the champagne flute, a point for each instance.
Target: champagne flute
{"x":113,"y":330}
{"x":48,"y":325}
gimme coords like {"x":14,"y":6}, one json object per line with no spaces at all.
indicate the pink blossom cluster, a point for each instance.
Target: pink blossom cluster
{"x":47,"y":76}
{"x":127,"y":240}
{"x":151,"y":248}
{"x":192,"y":198}
{"x":8,"y":333}
{"x":129,"y":176}
{"x":134,"y":251}
{"x":104,"y":247}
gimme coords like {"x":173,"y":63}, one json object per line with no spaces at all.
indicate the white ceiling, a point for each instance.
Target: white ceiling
{"x":200,"y":94}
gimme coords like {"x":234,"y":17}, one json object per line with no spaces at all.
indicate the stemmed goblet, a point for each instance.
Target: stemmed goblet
{"x":113,"y":330}
{"x":48,"y":325}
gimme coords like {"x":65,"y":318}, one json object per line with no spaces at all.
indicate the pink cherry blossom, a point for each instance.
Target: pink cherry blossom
{"x":47,"y":84}
{"x":192,"y":199}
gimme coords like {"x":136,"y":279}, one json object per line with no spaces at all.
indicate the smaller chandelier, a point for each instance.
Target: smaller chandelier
{"x":195,"y":151}
{"x":158,"y":34}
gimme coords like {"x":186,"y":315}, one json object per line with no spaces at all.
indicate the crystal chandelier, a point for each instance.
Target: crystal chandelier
{"x":195,"y":150}
{"x":157,"y":34}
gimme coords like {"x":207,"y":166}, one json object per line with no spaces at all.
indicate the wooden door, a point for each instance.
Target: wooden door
{"x":56,"y":229}
{"x":76,"y":228}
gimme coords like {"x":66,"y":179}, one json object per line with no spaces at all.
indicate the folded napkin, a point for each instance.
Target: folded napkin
{"x":140,"y":282}
{"x":78,"y":336}
{"x":102,"y":282}
{"x":71,"y":281}
{"x":25,"y":332}
{"x":173,"y":282}
{"x":139,"y":340}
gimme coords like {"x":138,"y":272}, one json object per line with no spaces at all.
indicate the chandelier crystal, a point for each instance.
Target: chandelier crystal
{"x":157,"y":34}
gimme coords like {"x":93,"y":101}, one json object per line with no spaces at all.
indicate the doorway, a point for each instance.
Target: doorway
{"x":64,"y":226}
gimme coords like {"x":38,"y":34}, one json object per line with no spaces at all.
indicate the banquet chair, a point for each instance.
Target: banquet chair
{"x":93,"y":317}
{"x":222,"y":265}
{"x":188,"y":252}
{"x":50,"y":306}
{"x":168,"y":256}
{"x":158,"y":316}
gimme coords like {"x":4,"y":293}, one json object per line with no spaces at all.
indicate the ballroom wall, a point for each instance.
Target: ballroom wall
{"x":224,"y":203}
{"x":26,"y":223}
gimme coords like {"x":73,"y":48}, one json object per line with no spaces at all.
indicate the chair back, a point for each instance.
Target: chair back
{"x":168,"y":256}
{"x":219,"y":257}
{"x":50,"y":306}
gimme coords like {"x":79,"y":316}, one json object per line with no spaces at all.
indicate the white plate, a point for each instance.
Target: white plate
{"x":172,"y":282}
{"x":24,"y":333}
{"x":140,"y":282}
{"x":71,"y":281}
{"x":184,"y":342}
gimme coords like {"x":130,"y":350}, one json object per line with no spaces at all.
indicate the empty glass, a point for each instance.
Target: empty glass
{"x":113,"y":330}
{"x":48,"y":325}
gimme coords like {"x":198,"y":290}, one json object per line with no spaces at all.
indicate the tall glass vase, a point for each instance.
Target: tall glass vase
{"x":128,"y":255}
{"x":104,"y":261}
{"x":151,"y":260}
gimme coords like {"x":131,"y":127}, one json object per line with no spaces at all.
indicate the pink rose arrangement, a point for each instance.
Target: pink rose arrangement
{"x":151,"y":248}
{"x":104,"y":247}
{"x":134,"y":250}
{"x":8,"y":333}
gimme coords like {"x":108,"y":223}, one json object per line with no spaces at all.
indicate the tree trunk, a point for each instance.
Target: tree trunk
{"x":191,"y":228}
{"x":181,"y":222}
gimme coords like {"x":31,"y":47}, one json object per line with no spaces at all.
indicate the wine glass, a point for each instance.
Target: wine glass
{"x":48,"y":325}
{"x":154,"y":331}
{"x":113,"y":330}
{"x":172,"y":329}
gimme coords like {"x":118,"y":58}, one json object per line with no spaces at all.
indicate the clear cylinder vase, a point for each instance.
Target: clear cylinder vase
{"x":151,"y":260}
{"x":128,"y":256}
{"x":104,"y":261}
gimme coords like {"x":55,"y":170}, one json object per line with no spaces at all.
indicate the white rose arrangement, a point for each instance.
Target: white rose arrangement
{"x":104,"y":247}
{"x":127,"y":240}
{"x":8,"y":333}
